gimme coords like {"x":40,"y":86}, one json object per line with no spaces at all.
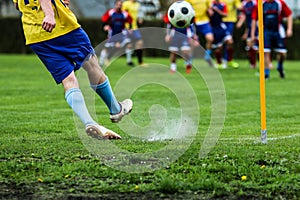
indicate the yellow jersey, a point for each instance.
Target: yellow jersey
{"x":33,"y":16}
{"x":133,"y":8}
{"x":232,"y":6}
{"x":201,"y":7}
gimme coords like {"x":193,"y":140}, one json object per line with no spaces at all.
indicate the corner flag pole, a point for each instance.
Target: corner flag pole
{"x":264,"y":138}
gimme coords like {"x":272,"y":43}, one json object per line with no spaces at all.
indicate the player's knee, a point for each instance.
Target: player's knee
{"x":209,"y":38}
{"x":139,"y":44}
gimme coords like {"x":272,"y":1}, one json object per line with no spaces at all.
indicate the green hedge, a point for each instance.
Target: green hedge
{"x":12,"y":38}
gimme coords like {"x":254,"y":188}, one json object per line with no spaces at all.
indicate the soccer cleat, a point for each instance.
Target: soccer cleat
{"x":219,"y":66}
{"x":143,"y":64}
{"x":130,"y":64}
{"x":126,"y":107}
{"x":188,"y":69}
{"x":233,"y":64}
{"x":100,"y":132}
{"x":267,"y":76}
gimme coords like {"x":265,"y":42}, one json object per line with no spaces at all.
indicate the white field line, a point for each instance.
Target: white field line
{"x":258,"y":138}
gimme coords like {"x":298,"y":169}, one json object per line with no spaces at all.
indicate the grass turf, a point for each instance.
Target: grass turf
{"x":43,"y":157}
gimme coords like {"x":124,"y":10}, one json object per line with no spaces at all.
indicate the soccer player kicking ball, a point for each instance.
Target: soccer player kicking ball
{"x":53,"y":33}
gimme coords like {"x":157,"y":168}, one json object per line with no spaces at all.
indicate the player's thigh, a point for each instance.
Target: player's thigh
{"x":206,"y":30}
{"x":56,"y":63}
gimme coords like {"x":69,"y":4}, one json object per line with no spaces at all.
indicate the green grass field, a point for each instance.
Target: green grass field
{"x":44,"y":156}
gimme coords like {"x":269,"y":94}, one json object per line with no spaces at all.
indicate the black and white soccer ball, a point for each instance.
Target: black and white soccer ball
{"x":181,"y":14}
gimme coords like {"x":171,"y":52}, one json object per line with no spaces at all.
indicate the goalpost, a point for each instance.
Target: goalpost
{"x":264,"y":138}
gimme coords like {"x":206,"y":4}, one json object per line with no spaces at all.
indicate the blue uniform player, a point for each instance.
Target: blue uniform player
{"x":179,"y":41}
{"x":273,"y":12}
{"x":114,"y":21}
{"x":53,"y":33}
{"x":248,"y":7}
{"x":221,"y":34}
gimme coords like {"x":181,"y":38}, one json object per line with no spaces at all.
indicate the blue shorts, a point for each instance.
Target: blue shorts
{"x":221,"y":34}
{"x":121,"y":38}
{"x":179,"y":42}
{"x":273,"y":40}
{"x":230,"y":27}
{"x":64,"y":54}
{"x":204,"y":29}
{"x":135,"y":35}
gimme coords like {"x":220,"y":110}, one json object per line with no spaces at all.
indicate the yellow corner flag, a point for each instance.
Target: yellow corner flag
{"x":264,"y":138}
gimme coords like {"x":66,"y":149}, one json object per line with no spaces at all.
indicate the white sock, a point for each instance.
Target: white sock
{"x":128,"y":55}
{"x":103,"y":56}
{"x":173,"y":67}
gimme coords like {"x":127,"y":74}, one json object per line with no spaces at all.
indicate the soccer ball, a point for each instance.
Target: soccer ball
{"x":181,"y":14}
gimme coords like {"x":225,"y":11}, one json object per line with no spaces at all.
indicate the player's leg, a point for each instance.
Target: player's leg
{"x":103,"y":60}
{"x":127,"y":43}
{"x":128,"y":51}
{"x":75,"y":99}
{"x":207,"y":32}
{"x":61,"y":65}
{"x":267,"y":56}
{"x":251,"y":53}
{"x":217,"y":46}
{"x":186,"y":51}
{"x":229,"y":49}
{"x":139,"y":51}
{"x":100,"y":83}
{"x":280,"y":59}
{"x":209,"y":37}
{"x":281,"y":54}
{"x":174,"y":49}
{"x":218,"y":56}
{"x":230,"y":29}
{"x":173,"y":65}
{"x":139,"y":43}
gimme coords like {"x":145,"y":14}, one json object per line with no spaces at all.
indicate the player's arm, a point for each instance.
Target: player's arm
{"x":49,"y":22}
{"x":169,"y":29}
{"x":223,"y":12}
{"x":67,"y":2}
{"x":289,"y":29}
{"x":106,"y":21}
{"x":241,"y":20}
{"x":286,"y":12}
{"x":169,"y":33}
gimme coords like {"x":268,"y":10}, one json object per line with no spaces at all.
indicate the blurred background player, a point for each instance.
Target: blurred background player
{"x":134,"y":9}
{"x":178,"y":40}
{"x":64,"y":47}
{"x":114,"y":21}
{"x":221,"y":33}
{"x":233,"y":6}
{"x":273,"y":12}
{"x":284,"y":33}
{"x":246,"y":17}
{"x":202,"y":7}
